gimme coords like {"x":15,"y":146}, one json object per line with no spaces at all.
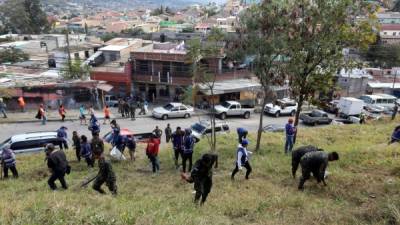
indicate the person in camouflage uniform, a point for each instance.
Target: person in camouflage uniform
{"x":105,"y":175}
{"x":300,"y":152}
{"x":132,"y":107}
{"x":316,"y":163}
{"x":97,"y":145}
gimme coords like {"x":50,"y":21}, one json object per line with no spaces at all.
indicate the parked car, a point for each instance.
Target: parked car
{"x":232,"y":108}
{"x":111,"y":101}
{"x":315,"y":117}
{"x":284,"y":106}
{"x":203,"y":128}
{"x":331,"y":106}
{"x":31,"y":142}
{"x":274,"y":128}
{"x":143,"y":137}
{"x":173,"y":110}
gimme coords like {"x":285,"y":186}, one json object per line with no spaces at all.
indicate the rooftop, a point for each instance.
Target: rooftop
{"x":115,"y":48}
{"x":166,"y":48}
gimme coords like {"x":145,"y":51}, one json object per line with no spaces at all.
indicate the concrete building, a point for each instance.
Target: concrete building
{"x":353,"y":83}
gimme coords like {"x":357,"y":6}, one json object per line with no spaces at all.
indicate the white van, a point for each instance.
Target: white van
{"x":383,"y":101}
{"x":31,"y":142}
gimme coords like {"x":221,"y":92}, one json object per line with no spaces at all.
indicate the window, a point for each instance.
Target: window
{"x":394,"y":33}
{"x":182,"y":108}
{"x":143,"y":66}
{"x":174,"y":109}
{"x":385,"y":33}
{"x":234,"y":107}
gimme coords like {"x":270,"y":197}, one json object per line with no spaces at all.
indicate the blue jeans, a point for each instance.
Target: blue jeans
{"x":44,"y":120}
{"x":155,"y":163}
{"x":289,"y":143}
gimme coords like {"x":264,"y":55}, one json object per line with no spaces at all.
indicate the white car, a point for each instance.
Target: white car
{"x":173,"y":110}
{"x":281,"y":107}
{"x":203,"y":128}
{"x":30,"y":142}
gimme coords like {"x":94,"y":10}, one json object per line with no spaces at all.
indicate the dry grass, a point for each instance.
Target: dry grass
{"x":363,"y":187}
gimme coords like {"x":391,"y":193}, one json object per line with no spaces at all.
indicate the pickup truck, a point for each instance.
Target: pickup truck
{"x":315,"y":117}
{"x":232,"y":108}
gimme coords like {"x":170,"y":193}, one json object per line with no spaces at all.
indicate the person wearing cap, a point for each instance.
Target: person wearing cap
{"x":188,"y":146}
{"x":242,"y":134}
{"x":8,"y":162}
{"x":152,"y":149}
{"x":58,"y":165}
{"x":63,"y":137}
{"x":290,"y":132}
{"x":242,"y":160}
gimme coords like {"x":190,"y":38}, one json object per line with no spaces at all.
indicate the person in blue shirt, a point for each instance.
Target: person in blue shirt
{"x":242,"y":134}
{"x":63,"y":137}
{"x":177,"y":144}
{"x":395,"y":135}
{"x":242,"y":159}
{"x":188,"y":146}
{"x":94,"y":125}
{"x":290,"y":132}
{"x":86,"y":151}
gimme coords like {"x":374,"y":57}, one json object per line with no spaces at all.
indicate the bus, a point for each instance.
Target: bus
{"x":383,"y":101}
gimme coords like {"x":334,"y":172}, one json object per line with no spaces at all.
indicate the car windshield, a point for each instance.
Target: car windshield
{"x":225,"y":104}
{"x":5,"y":142}
{"x":198,"y":128}
{"x":168,"y":107}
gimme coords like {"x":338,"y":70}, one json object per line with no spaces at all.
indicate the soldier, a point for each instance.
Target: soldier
{"x":201,"y":176}
{"x":300,"y":152}
{"x":168,"y":133}
{"x":141,"y":106}
{"x":395,"y":110}
{"x":97,"y":145}
{"x":177,"y":143}
{"x":58,"y":165}
{"x":395,"y":135}
{"x":131,"y":144}
{"x":126,"y":108}
{"x":315,"y":162}
{"x":242,"y":160}
{"x":77,"y":144}
{"x":132,"y":107}
{"x":158,"y":132}
{"x":105,"y":175}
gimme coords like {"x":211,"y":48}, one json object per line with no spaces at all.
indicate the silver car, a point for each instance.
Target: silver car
{"x":173,"y":110}
{"x":30,"y":142}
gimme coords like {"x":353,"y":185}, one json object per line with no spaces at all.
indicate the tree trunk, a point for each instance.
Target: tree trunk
{"x":260,"y":124}
{"x":213,"y":136}
{"x":298,"y":111}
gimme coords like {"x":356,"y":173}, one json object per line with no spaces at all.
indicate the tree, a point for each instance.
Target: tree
{"x":24,"y":16}
{"x":262,"y":36}
{"x":385,"y":56}
{"x":78,"y":70}
{"x":108,"y":36}
{"x":13,"y":55}
{"x":318,"y":32}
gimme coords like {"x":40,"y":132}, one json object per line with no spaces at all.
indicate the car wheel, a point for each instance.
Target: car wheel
{"x":293,"y":113}
{"x":164,"y":117}
{"x":187,"y":115}
{"x":277,"y":114}
{"x":246,"y":115}
{"x":223,"y":116}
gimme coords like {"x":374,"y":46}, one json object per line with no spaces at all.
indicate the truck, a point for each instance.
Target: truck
{"x":315,"y":117}
{"x":349,"y":106}
{"x":283,"y":106}
{"x":232,"y":108}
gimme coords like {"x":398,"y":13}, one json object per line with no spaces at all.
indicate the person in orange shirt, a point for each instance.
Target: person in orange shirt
{"x":21,"y":103}
{"x":106,"y":114}
{"x":62,"y":112}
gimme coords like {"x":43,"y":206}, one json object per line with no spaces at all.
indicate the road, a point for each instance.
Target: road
{"x":140,"y":125}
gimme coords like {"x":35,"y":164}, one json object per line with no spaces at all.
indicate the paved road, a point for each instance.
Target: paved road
{"x":140,"y":125}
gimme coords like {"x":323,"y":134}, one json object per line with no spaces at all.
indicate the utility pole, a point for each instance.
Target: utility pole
{"x":68,"y":49}
{"x":394,"y":80}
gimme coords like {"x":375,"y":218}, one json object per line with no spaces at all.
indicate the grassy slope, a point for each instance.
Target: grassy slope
{"x":363,"y":188}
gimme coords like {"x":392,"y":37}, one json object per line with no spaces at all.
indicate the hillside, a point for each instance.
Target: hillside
{"x":363,"y":187}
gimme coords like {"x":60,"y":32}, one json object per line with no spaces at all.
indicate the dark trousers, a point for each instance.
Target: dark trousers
{"x":186,"y":157}
{"x":133,"y":113}
{"x":78,"y":154}
{"x":110,"y":183}
{"x":177,"y":153}
{"x":89,"y":161}
{"x":248,"y":170}
{"x":13,"y":170}
{"x":167,"y":138}
{"x":306,"y":174}
{"x":57,"y":176}
{"x":203,"y":188}
{"x":62,"y":118}
{"x":63,"y":144}
{"x":154,"y":162}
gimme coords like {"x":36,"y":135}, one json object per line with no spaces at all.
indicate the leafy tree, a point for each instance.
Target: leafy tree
{"x":77,"y":70}
{"x":108,"y":36}
{"x":318,"y":32}
{"x":13,"y":55}
{"x":262,"y":35}
{"x":385,"y":56}
{"x":133,"y":31}
{"x":24,"y":16}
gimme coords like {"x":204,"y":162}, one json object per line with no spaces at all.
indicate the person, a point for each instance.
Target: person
{"x":97,"y":145}
{"x":362,"y":118}
{"x":105,"y":175}
{"x":21,"y":103}
{"x":395,"y":110}
{"x":82,"y":113}
{"x":300,"y":152}
{"x":158,"y":132}
{"x":121,"y":107}
{"x":201,"y":176}
{"x":3,"y":107}
{"x":168,"y":133}
{"x":91,"y":111}
{"x":142,"y":109}
{"x":58,"y":165}
{"x":290,"y":132}
{"x":131,"y":144}
{"x":188,"y":146}
{"x":395,"y":135}
{"x":119,"y":143}
{"x":145,"y":107}
{"x":316,"y":163}
{"x":132,"y":108}
{"x":8,"y":162}
{"x":177,"y":142}
{"x":77,"y":144}
{"x":62,"y":112}
{"x":242,"y":160}
{"x":94,"y":125}
{"x":152,"y":149}
{"x":126,"y":108}
{"x":86,"y":151}
{"x":242,"y":134}
{"x":42,"y":114}
{"x":106,"y":114}
{"x":63,"y":137}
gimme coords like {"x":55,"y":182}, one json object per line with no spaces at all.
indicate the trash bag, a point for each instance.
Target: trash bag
{"x":116,"y":154}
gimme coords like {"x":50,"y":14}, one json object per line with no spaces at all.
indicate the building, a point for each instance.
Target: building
{"x":353,"y":82}
{"x":389,"y":18}
{"x":390,"y":33}
{"x":227,"y":24}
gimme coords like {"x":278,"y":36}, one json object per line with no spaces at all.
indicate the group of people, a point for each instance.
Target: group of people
{"x":127,"y":107}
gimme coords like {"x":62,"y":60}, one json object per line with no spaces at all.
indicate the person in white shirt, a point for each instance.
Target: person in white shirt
{"x":242,"y":160}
